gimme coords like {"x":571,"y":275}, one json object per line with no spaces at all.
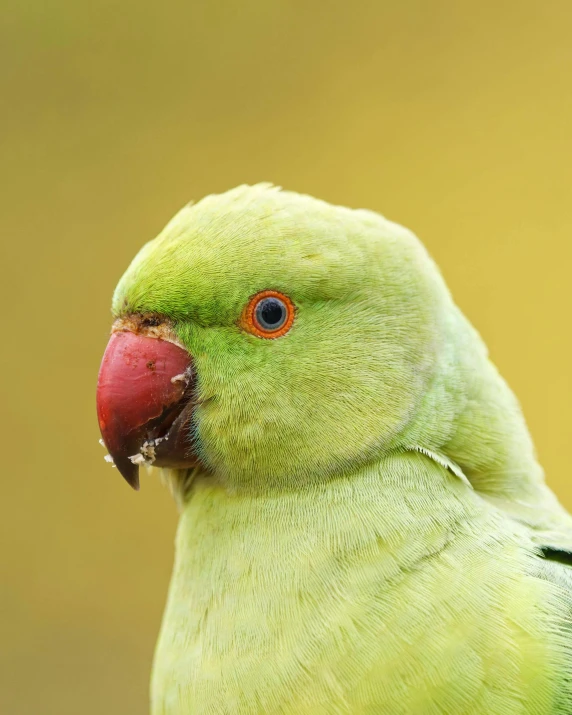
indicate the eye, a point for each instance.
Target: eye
{"x":268,"y":314}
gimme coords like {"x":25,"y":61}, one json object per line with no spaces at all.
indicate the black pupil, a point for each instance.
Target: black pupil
{"x":271,"y":313}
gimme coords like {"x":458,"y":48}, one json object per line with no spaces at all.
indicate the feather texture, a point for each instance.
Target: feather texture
{"x":369,"y":531}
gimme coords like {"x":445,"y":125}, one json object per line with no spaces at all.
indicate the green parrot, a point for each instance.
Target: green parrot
{"x":364,"y":525}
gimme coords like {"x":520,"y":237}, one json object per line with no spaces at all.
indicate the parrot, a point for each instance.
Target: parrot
{"x":364,"y":525}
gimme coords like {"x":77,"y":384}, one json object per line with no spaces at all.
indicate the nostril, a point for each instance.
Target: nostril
{"x":150,"y":321}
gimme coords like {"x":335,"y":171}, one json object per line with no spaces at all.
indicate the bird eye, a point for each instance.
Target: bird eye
{"x":271,"y":313}
{"x":268,"y":314}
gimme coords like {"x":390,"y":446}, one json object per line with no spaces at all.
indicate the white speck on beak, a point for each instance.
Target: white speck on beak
{"x":147,"y":453}
{"x":183,"y":377}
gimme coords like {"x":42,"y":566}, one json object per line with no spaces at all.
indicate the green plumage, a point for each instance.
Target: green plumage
{"x":369,"y":530}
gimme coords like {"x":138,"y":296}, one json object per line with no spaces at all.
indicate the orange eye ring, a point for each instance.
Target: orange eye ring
{"x":266,"y":309}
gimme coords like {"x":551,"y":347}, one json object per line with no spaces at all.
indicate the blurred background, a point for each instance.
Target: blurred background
{"x":452,"y":118}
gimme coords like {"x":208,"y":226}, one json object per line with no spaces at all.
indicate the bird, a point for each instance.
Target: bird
{"x":364,"y":525}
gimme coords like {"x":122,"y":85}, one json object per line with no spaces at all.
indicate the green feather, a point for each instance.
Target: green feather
{"x":367,"y":532}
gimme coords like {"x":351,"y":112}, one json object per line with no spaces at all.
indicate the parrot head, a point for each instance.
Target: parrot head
{"x":269,"y":338}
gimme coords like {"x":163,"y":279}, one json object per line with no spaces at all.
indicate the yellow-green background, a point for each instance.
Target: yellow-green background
{"x":452,"y":117}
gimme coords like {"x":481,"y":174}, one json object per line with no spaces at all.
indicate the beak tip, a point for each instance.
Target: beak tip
{"x":133,"y":482}
{"x":129,"y":472}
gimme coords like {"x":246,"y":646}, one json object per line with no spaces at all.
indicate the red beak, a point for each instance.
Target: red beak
{"x":144,"y":404}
